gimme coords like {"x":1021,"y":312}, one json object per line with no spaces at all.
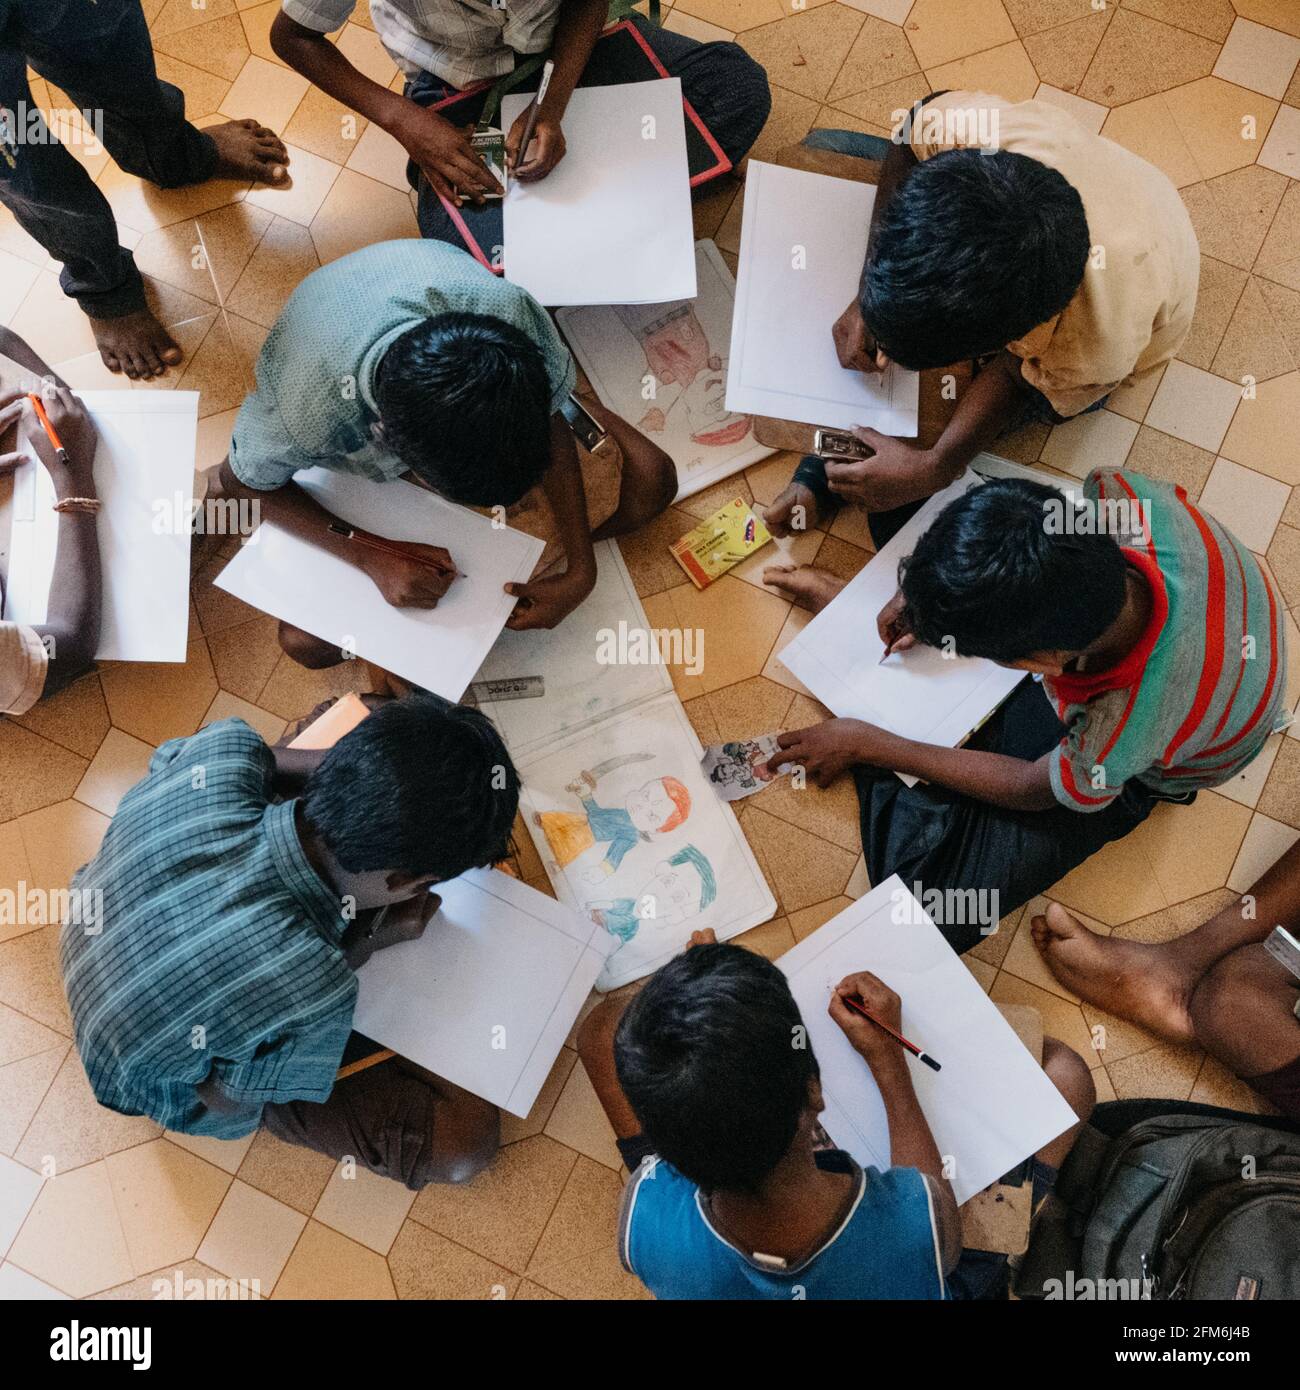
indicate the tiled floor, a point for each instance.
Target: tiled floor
{"x":1207,"y":89}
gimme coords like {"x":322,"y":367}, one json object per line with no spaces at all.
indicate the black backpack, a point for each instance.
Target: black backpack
{"x":1163,"y":1200}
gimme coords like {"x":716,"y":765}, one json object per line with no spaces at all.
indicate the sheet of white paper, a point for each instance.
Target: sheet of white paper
{"x":439,"y":648}
{"x":488,"y":994}
{"x":921,"y":694}
{"x":679,"y":352}
{"x":596,"y":804}
{"x":989,"y":1107}
{"x":802,"y":242}
{"x":581,"y":662}
{"x":611,"y":223}
{"x":144,"y":475}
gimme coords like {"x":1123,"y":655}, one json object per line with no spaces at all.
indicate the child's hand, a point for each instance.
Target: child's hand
{"x":546,"y":602}
{"x":544,"y":152}
{"x":404,"y":582}
{"x":444,"y":155}
{"x":871,"y":1043}
{"x":891,"y":624}
{"x":780,"y":516}
{"x":896,"y":473}
{"x":826,"y":750}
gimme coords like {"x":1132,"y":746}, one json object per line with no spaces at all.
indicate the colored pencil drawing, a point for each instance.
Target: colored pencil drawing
{"x":680,"y":888}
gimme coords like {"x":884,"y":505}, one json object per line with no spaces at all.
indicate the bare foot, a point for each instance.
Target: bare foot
{"x":780,"y":516}
{"x":808,"y":585}
{"x":1141,"y":983}
{"x":247,"y":150}
{"x":136,"y":344}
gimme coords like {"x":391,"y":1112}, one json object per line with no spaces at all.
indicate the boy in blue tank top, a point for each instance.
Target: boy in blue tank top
{"x":714,"y":1093}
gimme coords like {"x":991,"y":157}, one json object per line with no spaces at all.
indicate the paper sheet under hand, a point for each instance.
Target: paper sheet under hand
{"x":989,"y":1107}
{"x":439,"y":648}
{"x":803,"y":239}
{"x":920,"y":694}
{"x":144,"y":475}
{"x":611,"y":223}
{"x":489,"y":992}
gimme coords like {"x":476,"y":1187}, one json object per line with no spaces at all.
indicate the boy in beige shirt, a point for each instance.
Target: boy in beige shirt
{"x":1005,"y":231}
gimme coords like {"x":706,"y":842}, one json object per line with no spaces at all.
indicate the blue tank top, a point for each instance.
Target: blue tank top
{"x":886,"y":1246}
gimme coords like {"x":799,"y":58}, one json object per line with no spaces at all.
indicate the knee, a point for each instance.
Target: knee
{"x":596,"y":1033}
{"x":647,"y":491}
{"x":1227,"y":992}
{"x":477,"y":1138}
{"x":1069,"y":1073}
{"x":749,"y":95}
{"x":307,"y":650}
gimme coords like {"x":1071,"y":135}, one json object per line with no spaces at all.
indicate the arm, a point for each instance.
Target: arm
{"x":544,"y":602}
{"x":576,"y":31}
{"x":911,"y":1143}
{"x":71,"y":628}
{"x":826,"y":750}
{"x":403,"y":582}
{"x":440,"y":149}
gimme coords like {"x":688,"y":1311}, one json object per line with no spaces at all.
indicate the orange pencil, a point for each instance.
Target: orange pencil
{"x":51,"y":433}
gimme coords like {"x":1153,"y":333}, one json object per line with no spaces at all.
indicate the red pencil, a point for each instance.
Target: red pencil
{"x":898,"y":1037}
{"x":341,"y":528}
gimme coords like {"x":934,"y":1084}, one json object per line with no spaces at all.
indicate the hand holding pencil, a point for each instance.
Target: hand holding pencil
{"x":871,"y":1017}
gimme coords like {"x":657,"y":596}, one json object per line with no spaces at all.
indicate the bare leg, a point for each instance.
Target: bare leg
{"x":649,"y":476}
{"x":1069,"y":1073}
{"x":1243,"y":1011}
{"x":596,"y":1049}
{"x":307,"y":650}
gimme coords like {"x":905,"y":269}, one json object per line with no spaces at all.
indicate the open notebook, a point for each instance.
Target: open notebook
{"x":630,"y":831}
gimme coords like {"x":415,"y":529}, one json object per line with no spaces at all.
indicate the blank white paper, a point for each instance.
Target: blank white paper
{"x":802,"y":242}
{"x":487,"y":995}
{"x":144,"y":476}
{"x":611,"y":223}
{"x":990,"y":1106}
{"x":439,"y":648}
{"x":919,"y":694}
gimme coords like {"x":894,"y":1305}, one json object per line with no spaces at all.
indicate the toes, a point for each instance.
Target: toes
{"x":111,"y":360}
{"x":171,"y":354}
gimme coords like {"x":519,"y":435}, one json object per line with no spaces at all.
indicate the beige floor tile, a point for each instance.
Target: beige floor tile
{"x":1259,"y":58}
{"x":1191,"y":848}
{"x":256,"y":19}
{"x":188,"y":1279}
{"x":265,"y":90}
{"x":1248,"y":785}
{"x":1171,"y":460}
{"x":732,"y":14}
{"x":1223,"y":125}
{"x":830,"y":813}
{"x":22,"y":1037}
{"x":1194,"y":406}
{"x":992,"y":949}
{"x":583,"y":1220}
{"x":362,"y":48}
{"x":228,"y":706}
{"x":51,"y":322}
{"x":15,"y":874}
{"x":740,"y":624}
{"x":251,"y":1237}
{"x":19,"y":1189}
{"x":646,"y":555}
{"x":292,"y":691}
{"x":1117,"y":883}
{"x":1280,"y":798}
{"x":364,"y":1206}
{"x":293,"y":1175}
{"x":698,"y":29}
{"x":213,"y":442}
{"x":1146,"y":127}
{"x":219,"y":46}
{"x":1264,"y":430}
{"x":142,"y":206}
{"x":1264,"y":843}
{"x":1283,"y":557}
{"x":859,"y":881}
{"x":579,"y":1122}
{"x":72,"y":1129}
{"x":59,"y":840}
{"x":1249,"y":504}
{"x":1131,"y":401}
{"x":1232,"y":214}
{"x":177,"y":15}
{"x":323,"y":125}
{"x":17,"y":277}
{"x":1032,"y":16}
{"x":1006,"y":71}
{"x":310,"y":180}
{"x":16,"y":1284}
{"x":1101,"y":439}
{"x":1061,"y":56}
{"x":596,"y":1276}
{"x":30,"y":980}
{"x":1061,"y":1019}
{"x":804,"y":52}
{"x":358,"y":211}
{"x":984,"y":974}
{"x":1177,"y":920}
{"x":502,"y":1212}
{"x":165,"y":1200}
{"x":1284,"y":304}
{"x":941,"y":31}
{"x":770,"y":939}
{"x":1216,"y":1085}
{"x":427,"y":1266}
{"x":1276,"y":14}
{"x":24,"y":1084}
{"x":36,"y":772}
{"x":1139,"y":56}
{"x":72,"y":1238}
{"x":791,"y":119}
{"x":527,"y":1290}
{"x":801,"y":868}
{"x":379,"y":156}
{"x":1218,"y":294}
{"x":226,"y":1154}
{"x":1105,"y":1087}
{"x":880,"y":58}
{"x":1167,"y":1072}
{"x":244,"y":657}
{"x":516,"y":1127}
{"x":156,"y":702}
{"x":1090,"y":114}
{"x":204,"y":91}
{"x":327,"y":1266}
{"x":795,"y":622}
{"x":1282,"y":147}
{"x":120,"y":763}
{"x":1211,"y":19}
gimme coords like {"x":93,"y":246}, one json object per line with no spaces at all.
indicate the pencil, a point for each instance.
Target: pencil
{"x":535,"y":109}
{"x":898,"y":1037}
{"x":340,"y":528}
{"x":51,"y":433}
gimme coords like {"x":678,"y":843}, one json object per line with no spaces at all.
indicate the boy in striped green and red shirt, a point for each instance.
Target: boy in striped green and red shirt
{"x":1159,"y":644}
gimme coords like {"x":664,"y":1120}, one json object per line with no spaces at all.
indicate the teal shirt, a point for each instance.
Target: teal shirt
{"x":218,"y":950}
{"x":314,"y":405}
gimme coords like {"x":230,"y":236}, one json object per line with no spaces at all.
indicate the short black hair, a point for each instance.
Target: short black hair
{"x":996,"y":579}
{"x":972,"y":251}
{"x":713,"y":1058}
{"x":422,"y":786}
{"x":464,"y":401}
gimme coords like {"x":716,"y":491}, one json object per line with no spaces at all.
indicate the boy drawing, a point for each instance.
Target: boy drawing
{"x":653,"y":809}
{"x":1163,"y":670}
{"x":682,"y":887}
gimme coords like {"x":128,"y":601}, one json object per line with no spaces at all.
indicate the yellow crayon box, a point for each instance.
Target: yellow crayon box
{"x":729,"y":536}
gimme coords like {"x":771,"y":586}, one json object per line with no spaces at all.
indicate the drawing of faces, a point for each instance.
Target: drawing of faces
{"x":658,"y":806}
{"x":674,"y":893}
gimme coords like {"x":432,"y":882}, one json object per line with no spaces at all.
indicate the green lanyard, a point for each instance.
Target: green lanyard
{"x":618,"y":10}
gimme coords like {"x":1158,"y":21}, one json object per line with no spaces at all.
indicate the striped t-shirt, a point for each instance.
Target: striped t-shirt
{"x":1204,"y":687}
{"x":215,"y":953}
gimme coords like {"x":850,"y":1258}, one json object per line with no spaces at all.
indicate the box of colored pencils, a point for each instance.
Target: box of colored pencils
{"x":720,"y":542}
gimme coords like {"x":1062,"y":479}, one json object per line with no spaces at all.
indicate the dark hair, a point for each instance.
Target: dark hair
{"x":714,"y":1061}
{"x":994,"y":577}
{"x":422,"y":787}
{"x":972,"y":251}
{"x":464,"y":402}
